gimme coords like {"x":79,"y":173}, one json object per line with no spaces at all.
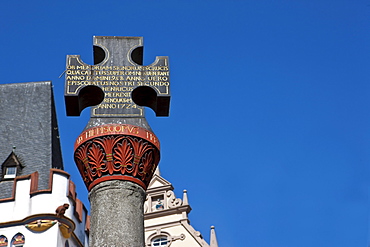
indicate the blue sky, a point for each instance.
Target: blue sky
{"x":269,"y":121}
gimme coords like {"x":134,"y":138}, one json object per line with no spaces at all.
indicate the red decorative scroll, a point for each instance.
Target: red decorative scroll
{"x":116,"y":152}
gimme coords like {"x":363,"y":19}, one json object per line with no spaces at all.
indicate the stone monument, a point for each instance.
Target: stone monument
{"x":117,"y":152}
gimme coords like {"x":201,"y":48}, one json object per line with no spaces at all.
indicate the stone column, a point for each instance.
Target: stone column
{"x":118,"y":215}
{"x":117,"y":153}
{"x":117,"y":162}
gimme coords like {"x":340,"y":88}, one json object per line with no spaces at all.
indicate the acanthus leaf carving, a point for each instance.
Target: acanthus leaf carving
{"x":83,"y":162}
{"x":123,"y":156}
{"x":140,"y":147}
{"x":96,"y":157}
{"x":117,"y":155}
{"x":108,"y":142}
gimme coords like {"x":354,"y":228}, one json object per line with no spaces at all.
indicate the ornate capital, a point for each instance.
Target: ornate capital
{"x":117,"y":152}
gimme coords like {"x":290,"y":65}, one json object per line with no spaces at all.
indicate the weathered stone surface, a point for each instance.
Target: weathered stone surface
{"x":117,"y":85}
{"x":117,"y":214}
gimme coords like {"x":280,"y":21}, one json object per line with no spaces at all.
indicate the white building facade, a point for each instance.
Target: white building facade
{"x":166,"y":218}
{"x":28,"y":218}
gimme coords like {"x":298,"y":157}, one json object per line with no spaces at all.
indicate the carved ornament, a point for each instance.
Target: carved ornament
{"x":116,"y":152}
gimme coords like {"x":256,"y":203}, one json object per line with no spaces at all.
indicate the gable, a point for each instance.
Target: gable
{"x":157,"y":182}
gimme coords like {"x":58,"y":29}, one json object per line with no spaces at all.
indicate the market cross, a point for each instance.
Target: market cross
{"x":117,"y":85}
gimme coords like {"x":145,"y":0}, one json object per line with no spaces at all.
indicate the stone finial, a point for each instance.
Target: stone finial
{"x":213,"y":239}
{"x":185,"y":200}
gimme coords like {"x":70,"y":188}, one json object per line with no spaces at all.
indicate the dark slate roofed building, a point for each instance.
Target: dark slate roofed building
{"x":38,"y":201}
{"x":29,"y":133}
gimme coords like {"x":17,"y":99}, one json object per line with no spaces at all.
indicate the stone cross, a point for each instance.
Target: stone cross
{"x":117,"y":85}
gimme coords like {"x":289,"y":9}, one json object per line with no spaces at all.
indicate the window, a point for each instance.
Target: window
{"x":18,"y":240}
{"x":10,"y":172}
{"x":11,"y":167}
{"x":160,"y":241}
{"x":161,"y":238}
{"x":3,"y":241}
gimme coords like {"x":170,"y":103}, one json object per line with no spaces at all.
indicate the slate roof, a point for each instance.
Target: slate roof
{"x":28,"y":122}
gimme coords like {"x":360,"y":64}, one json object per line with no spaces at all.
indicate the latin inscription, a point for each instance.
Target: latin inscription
{"x":117,"y":129}
{"x":117,"y":82}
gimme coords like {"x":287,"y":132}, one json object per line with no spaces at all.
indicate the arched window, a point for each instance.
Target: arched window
{"x":160,"y":241}
{"x":18,"y":240}
{"x":3,"y":241}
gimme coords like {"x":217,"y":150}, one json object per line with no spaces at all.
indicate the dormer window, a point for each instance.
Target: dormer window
{"x":10,"y":172}
{"x":11,"y":167}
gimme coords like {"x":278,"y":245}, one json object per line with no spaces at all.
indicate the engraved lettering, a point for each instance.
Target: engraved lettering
{"x":117,"y":83}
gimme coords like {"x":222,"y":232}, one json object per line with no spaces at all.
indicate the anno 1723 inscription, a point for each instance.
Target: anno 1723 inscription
{"x":117,"y":85}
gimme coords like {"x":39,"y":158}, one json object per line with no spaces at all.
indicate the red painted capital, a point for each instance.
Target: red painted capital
{"x":117,"y":152}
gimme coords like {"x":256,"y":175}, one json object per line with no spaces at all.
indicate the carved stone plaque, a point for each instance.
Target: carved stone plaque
{"x":117,"y":85}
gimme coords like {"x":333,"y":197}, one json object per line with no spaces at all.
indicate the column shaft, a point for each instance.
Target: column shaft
{"x":117,"y":214}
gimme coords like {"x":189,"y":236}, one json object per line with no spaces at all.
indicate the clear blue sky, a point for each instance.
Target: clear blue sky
{"x":269,"y":125}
